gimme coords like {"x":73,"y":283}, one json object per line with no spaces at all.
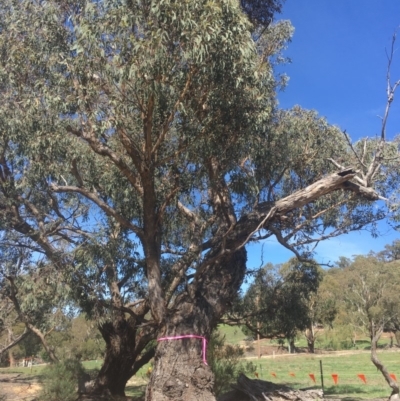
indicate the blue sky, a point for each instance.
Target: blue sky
{"x":339,"y":68}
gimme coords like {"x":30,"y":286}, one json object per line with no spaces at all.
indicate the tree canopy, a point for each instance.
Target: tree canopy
{"x":142,"y":148}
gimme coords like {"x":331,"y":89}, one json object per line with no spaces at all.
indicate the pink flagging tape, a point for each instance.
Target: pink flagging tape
{"x":204,"y":342}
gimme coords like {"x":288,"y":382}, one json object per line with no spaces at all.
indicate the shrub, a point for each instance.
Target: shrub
{"x":225,"y":363}
{"x":337,"y":339}
{"x":60,"y":381}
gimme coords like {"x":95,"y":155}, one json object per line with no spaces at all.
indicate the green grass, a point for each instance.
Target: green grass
{"x":36,"y":370}
{"x":91,"y":365}
{"x":135,"y":391}
{"x":233,"y":334}
{"x":346,"y":366}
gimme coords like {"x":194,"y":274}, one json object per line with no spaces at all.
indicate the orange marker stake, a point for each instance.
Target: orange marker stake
{"x":273,"y":374}
{"x":335,"y":378}
{"x":312,"y":376}
{"x":393,"y":376}
{"x":362,"y":377}
{"x":292,"y":374}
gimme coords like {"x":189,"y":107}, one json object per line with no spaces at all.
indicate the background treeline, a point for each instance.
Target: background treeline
{"x":78,"y":338}
{"x":329,"y":308}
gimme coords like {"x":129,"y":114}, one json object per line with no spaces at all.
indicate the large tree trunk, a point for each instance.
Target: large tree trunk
{"x":122,"y":358}
{"x":180,"y":373}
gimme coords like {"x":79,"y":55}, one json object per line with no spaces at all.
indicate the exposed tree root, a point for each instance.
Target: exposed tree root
{"x":259,"y":390}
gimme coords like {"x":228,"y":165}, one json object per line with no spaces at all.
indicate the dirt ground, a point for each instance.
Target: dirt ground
{"x":19,"y":387}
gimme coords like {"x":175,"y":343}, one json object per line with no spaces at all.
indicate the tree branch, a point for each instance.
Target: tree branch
{"x":14,"y":342}
{"x":102,"y":205}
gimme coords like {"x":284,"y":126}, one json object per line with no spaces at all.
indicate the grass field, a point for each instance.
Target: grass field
{"x":233,"y":335}
{"x":294,"y":370}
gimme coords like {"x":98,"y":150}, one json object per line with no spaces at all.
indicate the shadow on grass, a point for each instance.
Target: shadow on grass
{"x":309,"y":387}
{"x":21,"y":378}
{"x":136,"y":391}
{"x":346,"y":398}
{"x":346,"y":389}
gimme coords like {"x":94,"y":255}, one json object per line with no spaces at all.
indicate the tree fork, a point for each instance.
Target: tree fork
{"x":121,"y":360}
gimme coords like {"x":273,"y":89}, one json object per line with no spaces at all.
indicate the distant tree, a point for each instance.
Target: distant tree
{"x":278,"y":303}
{"x":391,"y":251}
{"x":85,"y":341}
{"x":12,"y":333}
{"x":370,"y":289}
{"x":343,"y":262}
{"x":322,"y":311}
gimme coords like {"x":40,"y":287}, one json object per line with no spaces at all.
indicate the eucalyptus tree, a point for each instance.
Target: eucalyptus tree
{"x":370,"y":290}
{"x":277,"y":304}
{"x":322,"y":311}
{"x":285,"y":300}
{"x":391,"y":252}
{"x":161,"y":118}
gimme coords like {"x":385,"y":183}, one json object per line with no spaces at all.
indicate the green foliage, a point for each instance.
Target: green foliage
{"x":28,"y":347}
{"x":225,"y":362}
{"x":82,"y":340}
{"x":368,"y":289}
{"x":60,"y":381}
{"x":366,"y":293}
{"x":280,"y":299}
{"x":391,"y":252}
{"x":337,"y":338}
{"x":261,"y":11}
